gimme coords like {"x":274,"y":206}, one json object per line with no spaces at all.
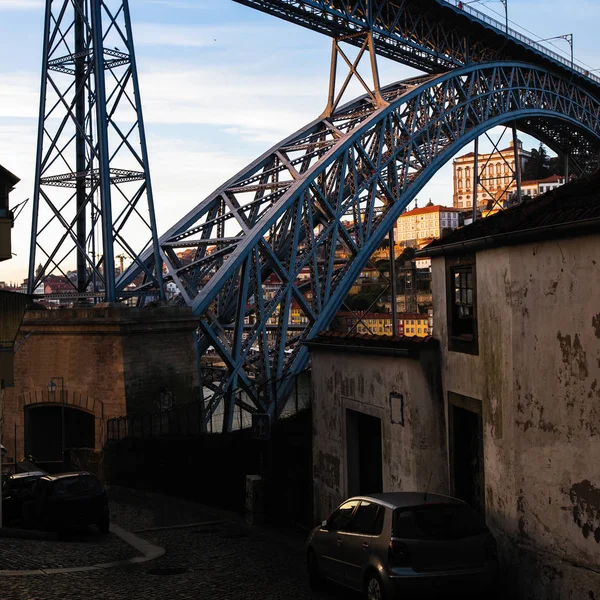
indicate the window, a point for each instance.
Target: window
{"x":463,"y":298}
{"x":77,"y":486}
{"x":438,"y":522}
{"x":368,"y":519}
{"x":462,"y":305}
{"x":340,"y":519}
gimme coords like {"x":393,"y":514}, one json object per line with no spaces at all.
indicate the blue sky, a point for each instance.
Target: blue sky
{"x":221,"y":83}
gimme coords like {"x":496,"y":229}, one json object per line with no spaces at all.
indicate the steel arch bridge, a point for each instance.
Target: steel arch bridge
{"x":339,"y":184}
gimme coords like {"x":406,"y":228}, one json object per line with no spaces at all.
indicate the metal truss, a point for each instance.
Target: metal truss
{"x":93,"y":195}
{"x":430,"y":35}
{"x":268,"y":259}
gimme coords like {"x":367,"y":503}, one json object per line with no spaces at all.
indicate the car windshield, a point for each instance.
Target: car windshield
{"x":437,"y":522}
{"x":77,"y":486}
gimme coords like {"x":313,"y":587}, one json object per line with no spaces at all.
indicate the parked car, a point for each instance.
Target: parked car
{"x":392,"y":544}
{"x":16,"y":488}
{"x":67,"y":501}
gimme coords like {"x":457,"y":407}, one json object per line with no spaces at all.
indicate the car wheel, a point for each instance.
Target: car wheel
{"x":315,"y":578}
{"x":373,"y":588}
{"x":104,"y":524}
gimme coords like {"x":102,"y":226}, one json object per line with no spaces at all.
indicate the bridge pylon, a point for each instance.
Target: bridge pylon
{"x":93,"y":195}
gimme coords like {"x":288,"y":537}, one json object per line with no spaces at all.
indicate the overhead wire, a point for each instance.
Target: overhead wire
{"x":518,"y":26}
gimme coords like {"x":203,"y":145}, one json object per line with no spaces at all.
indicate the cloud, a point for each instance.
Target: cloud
{"x":217,"y":36}
{"x":260,"y":110}
{"x":19,"y":95}
{"x":20,"y":4}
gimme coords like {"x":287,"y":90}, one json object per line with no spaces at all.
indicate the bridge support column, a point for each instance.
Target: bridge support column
{"x":334,"y":96}
{"x":475,"y":178}
{"x":517,"y":162}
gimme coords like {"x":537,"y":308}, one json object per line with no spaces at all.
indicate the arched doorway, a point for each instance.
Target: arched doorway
{"x":51,"y":429}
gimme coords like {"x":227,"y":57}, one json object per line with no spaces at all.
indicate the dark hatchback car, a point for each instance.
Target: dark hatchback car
{"x":392,"y":544}
{"x":15,"y":490}
{"x":67,"y":501}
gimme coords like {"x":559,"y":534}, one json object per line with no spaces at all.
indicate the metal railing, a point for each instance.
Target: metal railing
{"x":185,"y":420}
{"x":518,"y":36}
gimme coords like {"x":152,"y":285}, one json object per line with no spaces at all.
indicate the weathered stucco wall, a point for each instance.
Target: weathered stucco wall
{"x":114,"y":360}
{"x":538,"y":377}
{"x":363,"y":382}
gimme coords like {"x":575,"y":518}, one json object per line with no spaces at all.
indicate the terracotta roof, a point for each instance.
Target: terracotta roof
{"x":372,"y":315}
{"x":386,"y":343}
{"x":509,"y":149}
{"x":551,"y":179}
{"x":428,"y":209}
{"x":571,"y":209}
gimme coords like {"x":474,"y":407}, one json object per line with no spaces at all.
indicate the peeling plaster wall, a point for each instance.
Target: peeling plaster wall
{"x":538,"y":377}
{"x":363,"y":382}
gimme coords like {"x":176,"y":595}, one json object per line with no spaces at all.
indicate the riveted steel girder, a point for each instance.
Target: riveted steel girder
{"x":267,"y":260}
{"x":93,"y":195}
{"x":430,"y":35}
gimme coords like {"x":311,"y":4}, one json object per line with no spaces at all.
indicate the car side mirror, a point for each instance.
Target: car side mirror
{"x":324,"y":524}
{"x":330,"y":526}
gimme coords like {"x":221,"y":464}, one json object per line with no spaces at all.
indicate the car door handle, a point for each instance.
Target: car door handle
{"x":365,"y":545}
{"x":339,"y":541}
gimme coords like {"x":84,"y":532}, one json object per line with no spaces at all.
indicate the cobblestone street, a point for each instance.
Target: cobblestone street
{"x":219,"y":560}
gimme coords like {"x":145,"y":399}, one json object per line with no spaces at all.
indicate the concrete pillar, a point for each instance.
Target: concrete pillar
{"x":255,"y":499}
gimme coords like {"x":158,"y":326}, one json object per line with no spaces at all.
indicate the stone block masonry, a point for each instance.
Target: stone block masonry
{"x":114,"y":360}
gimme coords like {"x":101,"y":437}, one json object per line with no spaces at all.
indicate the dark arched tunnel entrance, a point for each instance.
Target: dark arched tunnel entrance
{"x":49,"y":430}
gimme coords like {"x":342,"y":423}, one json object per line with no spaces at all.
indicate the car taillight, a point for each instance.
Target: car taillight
{"x":398,"y":554}
{"x":491,"y":549}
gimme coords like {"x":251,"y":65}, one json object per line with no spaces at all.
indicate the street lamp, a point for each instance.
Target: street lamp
{"x":52,"y":390}
{"x":568,"y":37}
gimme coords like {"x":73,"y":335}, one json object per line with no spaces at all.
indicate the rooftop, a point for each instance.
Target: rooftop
{"x":429,"y":209}
{"x":572,"y":209}
{"x":551,"y":179}
{"x":409,"y":346}
{"x":509,"y":150}
{"x":375,"y":315}
{"x":406,"y":499}
{"x":7,"y":175}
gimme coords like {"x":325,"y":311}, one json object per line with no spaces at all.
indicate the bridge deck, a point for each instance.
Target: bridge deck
{"x":430,"y":35}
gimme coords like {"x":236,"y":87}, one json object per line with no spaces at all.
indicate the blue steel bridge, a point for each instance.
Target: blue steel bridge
{"x":339,"y":183}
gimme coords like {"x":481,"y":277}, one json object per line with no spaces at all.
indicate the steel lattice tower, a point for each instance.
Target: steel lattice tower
{"x":93,"y":196}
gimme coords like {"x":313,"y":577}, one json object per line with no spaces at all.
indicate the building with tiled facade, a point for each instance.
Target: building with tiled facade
{"x":372,"y":323}
{"x":425,"y":223}
{"x":496,"y":176}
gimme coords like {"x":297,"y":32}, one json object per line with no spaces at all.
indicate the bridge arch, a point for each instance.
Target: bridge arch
{"x":340,"y":183}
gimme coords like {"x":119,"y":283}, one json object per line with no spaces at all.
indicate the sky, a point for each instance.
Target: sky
{"x":221,"y":83}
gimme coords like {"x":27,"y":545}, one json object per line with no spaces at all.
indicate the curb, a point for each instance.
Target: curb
{"x":28,"y":534}
{"x":149,"y":551}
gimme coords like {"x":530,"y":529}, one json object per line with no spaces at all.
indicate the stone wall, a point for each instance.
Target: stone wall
{"x":537,"y":376}
{"x":112,"y":359}
{"x":212,"y":468}
{"x":363,"y":381}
